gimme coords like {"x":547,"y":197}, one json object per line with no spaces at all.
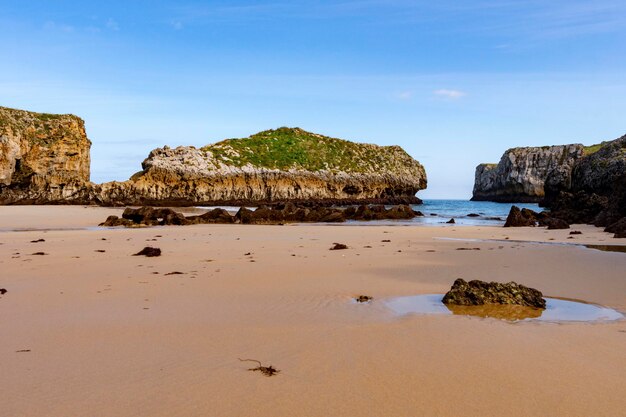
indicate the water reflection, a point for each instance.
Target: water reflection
{"x":556,"y":309}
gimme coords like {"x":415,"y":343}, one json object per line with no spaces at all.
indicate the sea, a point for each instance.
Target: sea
{"x":439,"y":212}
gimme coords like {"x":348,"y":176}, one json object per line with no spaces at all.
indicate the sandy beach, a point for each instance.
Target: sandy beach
{"x":89,"y":330}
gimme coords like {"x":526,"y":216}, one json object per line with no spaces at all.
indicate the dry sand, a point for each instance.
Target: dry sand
{"x":110,"y":334}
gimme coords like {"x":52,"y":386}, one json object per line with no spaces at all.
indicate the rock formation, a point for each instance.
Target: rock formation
{"x":597,"y":190}
{"x":44,"y":158}
{"x":275,"y":165}
{"x":480,"y":292}
{"x":279,"y":214}
{"x":522,"y":172}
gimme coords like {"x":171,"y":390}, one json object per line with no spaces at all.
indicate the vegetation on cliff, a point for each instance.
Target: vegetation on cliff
{"x":293,"y":148}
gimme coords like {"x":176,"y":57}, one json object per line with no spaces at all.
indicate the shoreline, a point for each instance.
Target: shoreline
{"x":89,"y":329}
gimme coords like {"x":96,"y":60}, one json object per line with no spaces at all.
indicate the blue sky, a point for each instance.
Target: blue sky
{"x":453,"y":82}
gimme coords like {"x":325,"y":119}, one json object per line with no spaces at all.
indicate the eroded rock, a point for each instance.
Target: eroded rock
{"x":480,"y":292}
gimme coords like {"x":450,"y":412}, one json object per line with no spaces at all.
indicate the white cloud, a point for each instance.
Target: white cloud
{"x":176,"y":24}
{"x":448,"y":94}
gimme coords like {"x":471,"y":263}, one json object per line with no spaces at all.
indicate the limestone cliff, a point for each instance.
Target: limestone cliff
{"x":286,"y":164}
{"x":597,"y":190}
{"x":521,"y":174}
{"x":44,"y":158}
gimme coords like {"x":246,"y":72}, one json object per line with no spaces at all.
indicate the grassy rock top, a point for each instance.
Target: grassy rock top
{"x":41,"y":128}
{"x":293,"y":148}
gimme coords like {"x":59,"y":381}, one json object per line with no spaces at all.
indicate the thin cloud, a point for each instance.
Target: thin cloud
{"x":448,"y":94}
{"x":404,"y":95}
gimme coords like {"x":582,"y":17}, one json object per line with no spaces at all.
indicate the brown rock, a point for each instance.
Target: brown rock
{"x":480,"y":292}
{"x":149,"y":252}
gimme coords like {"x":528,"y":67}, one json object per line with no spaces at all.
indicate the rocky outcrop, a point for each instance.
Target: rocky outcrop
{"x":480,"y":292}
{"x":526,"y":217}
{"x":272,"y":166}
{"x":521,"y":174}
{"x":44,"y":158}
{"x":597,"y":191}
{"x":279,"y":214}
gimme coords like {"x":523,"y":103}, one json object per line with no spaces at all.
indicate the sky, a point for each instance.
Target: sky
{"x":455,"y":83}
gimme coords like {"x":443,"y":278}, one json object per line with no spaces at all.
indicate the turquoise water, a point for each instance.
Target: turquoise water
{"x":458,"y":210}
{"x":438,"y":212}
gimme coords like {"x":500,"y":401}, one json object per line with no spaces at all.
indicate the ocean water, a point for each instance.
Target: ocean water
{"x":438,"y":212}
{"x":490,"y":213}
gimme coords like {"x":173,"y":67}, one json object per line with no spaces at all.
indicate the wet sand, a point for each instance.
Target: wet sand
{"x":102,"y":334}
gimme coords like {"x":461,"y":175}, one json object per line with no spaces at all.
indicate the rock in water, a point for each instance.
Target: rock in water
{"x":480,"y":292}
{"x":44,"y":158}
{"x":521,"y":174}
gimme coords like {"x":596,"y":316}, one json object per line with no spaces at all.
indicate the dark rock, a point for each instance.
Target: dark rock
{"x":473,"y":215}
{"x":113,"y":221}
{"x":480,"y":292}
{"x":554,"y":224}
{"x":3,"y":291}
{"x":451,"y":221}
{"x":37,"y":241}
{"x":575,"y":232}
{"x":596,"y":193}
{"x":149,"y":252}
{"x":619,"y":228}
{"x":40,"y":253}
{"x":338,"y":246}
{"x":519,"y":218}
{"x":363,"y":299}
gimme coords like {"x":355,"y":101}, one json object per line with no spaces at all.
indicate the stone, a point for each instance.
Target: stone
{"x":519,"y":218}
{"x":363,"y":299}
{"x":554,"y":224}
{"x":149,"y":252}
{"x":339,"y":246}
{"x":480,"y":292}
{"x":3,"y":291}
{"x":451,"y":221}
{"x":618,"y":228}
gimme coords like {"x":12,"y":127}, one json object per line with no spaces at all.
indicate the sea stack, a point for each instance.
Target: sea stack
{"x":281,"y":165}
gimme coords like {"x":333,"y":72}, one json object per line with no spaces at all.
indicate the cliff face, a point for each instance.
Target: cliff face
{"x":43,"y":158}
{"x":597,"y":190}
{"x":276,"y":165}
{"x":521,"y":174}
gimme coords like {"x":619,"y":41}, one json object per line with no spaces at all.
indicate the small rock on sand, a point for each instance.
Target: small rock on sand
{"x":149,"y":252}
